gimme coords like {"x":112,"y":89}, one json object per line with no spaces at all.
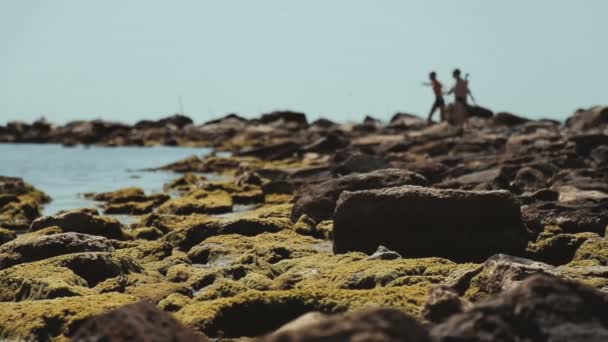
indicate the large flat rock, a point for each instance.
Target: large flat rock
{"x":417,"y":221}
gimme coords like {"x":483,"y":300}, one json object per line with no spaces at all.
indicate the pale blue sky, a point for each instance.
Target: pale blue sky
{"x":342,"y":59}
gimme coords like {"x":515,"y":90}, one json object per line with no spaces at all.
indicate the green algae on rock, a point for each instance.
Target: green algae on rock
{"x":82,"y":222}
{"x":255,"y":313}
{"x":43,"y":320}
{"x":20,"y":203}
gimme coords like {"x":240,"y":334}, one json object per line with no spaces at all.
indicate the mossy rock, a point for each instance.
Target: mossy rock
{"x":226,"y":250}
{"x":44,"y":320}
{"x":248,"y":224}
{"x":185,"y":183}
{"x":557,"y":249}
{"x":37,"y":281}
{"x":20,"y":203}
{"x":6,"y":235}
{"x":146,"y":251}
{"x":595,"y":250}
{"x":198,"y":202}
{"x":246,"y":194}
{"x":83,"y":222}
{"x":354,"y":271}
{"x":174,"y":302}
{"x":167,"y":223}
{"x":147,"y":233}
{"x":33,"y":248}
{"x":254,"y":313}
{"x":118,"y":196}
{"x":94,"y":267}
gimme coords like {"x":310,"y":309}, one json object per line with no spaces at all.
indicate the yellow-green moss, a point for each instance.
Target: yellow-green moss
{"x":254,"y":312}
{"x":45,"y":319}
{"x":174,"y":302}
{"x":199,"y":201}
{"x":595,"y":250}
{"x":36,"y":281}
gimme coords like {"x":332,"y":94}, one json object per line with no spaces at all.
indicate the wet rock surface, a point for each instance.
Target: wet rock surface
{"x":491,"y":232}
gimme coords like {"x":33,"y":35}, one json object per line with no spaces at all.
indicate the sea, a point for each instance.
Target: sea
{"x":66,"y":173}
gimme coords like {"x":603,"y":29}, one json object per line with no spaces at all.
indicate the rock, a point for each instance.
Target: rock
{"x":585,"y":143}
{"x":254,"y":313}
{"x":497,"y":274}
{"x":541,"y":308}
{"x":360,"y":163}
{"x":33,"y":248}
{"x":176,"y":121}
{"x":588,"y":119}
{"x":443,"y":302}
{"x":407,"y":121}
{"x":44,"y":320}
{"x":480,"y":112}
{"x":383,"y":253}
{"x":20,"y":203}
{"x":557,"y":249}
{"x":508,"y":119}
{"x":82,"y":222}
{"x":276,"y":151}
{"x":595,"y":249}
{"x":285,"y":116}
{"x":327,"y":144}
{"x":6,"y":236}
{"x":135,"y":322}
{"x":198,"y":201}
{"x":416,"y":222}
{"x":374,"y":324}
{"x":319,"y":201}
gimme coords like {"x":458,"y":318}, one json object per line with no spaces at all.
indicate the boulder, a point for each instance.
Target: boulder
{"x":141,"y":321}
{"x":318,"y":201}
{"x":82,"y":222}
{"x":417,"y":221}
{"x":373,"y":324}
{"x":38,"y":247}
{"x":541,"y":308}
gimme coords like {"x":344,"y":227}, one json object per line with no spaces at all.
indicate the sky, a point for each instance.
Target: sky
{"x":127,"y":60}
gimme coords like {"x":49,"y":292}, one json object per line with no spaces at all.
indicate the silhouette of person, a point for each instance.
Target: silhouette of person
{"x":461,"y":92}
{"x":439,"y":101}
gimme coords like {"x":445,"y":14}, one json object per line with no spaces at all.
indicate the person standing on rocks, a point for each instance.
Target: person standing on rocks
{"x":461,"y":93}
{"x":439,"y":101}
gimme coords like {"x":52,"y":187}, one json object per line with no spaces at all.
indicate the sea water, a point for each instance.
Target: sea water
{"x":66,"y":173}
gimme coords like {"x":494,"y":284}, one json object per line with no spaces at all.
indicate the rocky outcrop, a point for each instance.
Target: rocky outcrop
{"x":417,"y":222}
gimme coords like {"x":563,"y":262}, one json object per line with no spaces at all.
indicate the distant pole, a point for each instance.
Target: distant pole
{"x":181,"y":104}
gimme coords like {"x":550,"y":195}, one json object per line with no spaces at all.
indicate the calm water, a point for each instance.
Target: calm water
{"x":66,"y":173}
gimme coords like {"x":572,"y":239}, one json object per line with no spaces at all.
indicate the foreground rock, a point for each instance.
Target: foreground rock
{"x":319,"y":201}
{"x":417,"y":222}
{"x":141,"y":321}
{"x":541,"y":308}
{"x":377,"y":325}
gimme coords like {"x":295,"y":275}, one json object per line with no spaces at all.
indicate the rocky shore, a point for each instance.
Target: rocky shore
{"x":320,"y":231}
